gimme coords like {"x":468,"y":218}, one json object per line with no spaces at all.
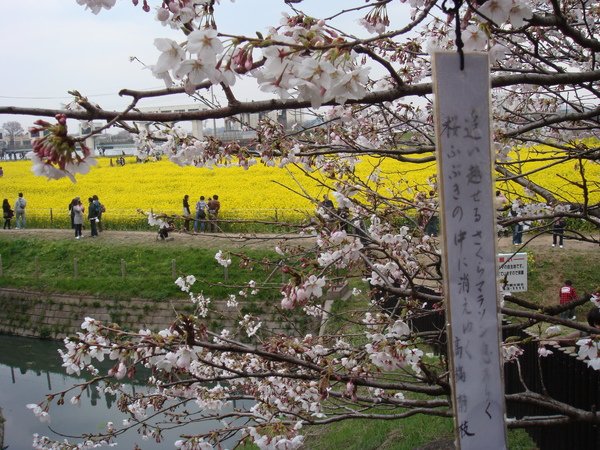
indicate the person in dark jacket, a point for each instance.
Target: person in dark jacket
{"x":558,"y":232}
{"x":186,"y":212}
{"x":93,"y":211}
{"x":7,"y":213}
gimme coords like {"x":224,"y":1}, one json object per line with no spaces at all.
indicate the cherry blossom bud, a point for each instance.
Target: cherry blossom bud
{"x":174,"y":7}
{"x":162,"y":14}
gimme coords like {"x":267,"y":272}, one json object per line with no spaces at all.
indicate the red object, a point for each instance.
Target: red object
{"x":567,"y":294}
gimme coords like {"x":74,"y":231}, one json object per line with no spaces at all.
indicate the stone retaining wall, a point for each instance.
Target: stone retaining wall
{"x":54,"y":316}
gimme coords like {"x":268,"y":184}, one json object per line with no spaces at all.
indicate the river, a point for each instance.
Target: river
{"x":30,"y":369}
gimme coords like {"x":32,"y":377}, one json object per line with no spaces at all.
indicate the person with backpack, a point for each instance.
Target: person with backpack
{"x":101,"y":211}
{"x":214,"y":205}
{"x":200,"y":215}
{"x":20,"y":205}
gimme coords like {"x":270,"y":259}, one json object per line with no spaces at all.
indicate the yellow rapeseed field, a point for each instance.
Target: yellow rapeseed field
{"x":257,"y":193}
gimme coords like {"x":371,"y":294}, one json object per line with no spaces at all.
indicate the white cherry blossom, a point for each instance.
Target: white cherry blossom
{"x":95,"y":6}
{"x":172,"y":54}
{"x":205,"y":44}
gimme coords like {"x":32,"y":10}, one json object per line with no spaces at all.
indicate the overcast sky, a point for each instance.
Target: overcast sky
{"x":48,"y":47}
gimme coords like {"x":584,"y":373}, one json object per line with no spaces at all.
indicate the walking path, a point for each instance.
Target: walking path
{"x":203,"y":240}
{"x":266,"y":241}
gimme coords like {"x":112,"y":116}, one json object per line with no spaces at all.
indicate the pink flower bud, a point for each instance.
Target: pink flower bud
{"x":174,"y":7}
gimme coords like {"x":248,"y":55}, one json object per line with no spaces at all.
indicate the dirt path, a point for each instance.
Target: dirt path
{"x":264,"y":241}
{"x":203,"y":240}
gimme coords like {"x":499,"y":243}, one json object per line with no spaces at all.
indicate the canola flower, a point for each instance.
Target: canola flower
{"x":259,"y":193}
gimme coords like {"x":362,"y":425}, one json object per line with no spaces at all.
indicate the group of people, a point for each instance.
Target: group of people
{"x":207,"y":213}
{"x":502,"y":205}
{"x":18,"y":212}
{"x":77,"y":211}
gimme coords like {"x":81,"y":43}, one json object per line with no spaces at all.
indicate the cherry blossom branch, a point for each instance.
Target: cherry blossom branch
{"x":269,"y":105}
{"x":558,"y":20}
{"x":557,"y":119}
{"x":573,"y":414}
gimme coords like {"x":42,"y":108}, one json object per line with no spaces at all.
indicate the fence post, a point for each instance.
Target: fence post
{"x":1,"y":270}
{"x":123,"y":268}
{"x":75,"y":267}
{"x":51,"y":217}
{"x":174,"y":269}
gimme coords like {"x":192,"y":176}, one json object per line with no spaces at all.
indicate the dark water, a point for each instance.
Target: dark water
{"x":30,"y":369}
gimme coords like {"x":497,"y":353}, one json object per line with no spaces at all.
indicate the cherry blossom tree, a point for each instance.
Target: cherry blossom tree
{"x":370,"y":87}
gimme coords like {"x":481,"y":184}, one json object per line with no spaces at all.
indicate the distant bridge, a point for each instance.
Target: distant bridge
{"x":14,"y":153}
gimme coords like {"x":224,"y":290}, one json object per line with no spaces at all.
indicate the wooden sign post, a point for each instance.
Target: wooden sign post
{"x":462,"y":100}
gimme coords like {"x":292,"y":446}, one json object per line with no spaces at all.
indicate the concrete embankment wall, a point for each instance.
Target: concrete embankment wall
{"x":55,"y":316}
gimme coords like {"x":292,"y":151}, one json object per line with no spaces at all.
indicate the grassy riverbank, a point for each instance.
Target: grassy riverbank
{"x":119,"y":270}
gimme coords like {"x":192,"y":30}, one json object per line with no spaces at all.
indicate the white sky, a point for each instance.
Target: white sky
{"x":48,"y":47}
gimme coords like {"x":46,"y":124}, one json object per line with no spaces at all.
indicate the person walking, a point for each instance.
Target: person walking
{"x":200,"y":215}
{"x":20,"y":205}
{"x":7,"y":213}
{"x":214,"y":206}
{"x":186,"y":212}
{"x":568,"y":295}
{"x":77,"y":211}
{"x":558,"y":232}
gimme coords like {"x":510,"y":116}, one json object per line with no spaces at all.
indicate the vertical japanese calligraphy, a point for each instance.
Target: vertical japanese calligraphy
{"x":465,"y":172}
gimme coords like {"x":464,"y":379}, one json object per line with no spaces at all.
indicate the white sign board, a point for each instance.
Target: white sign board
{"x":513,"y":268}
{"x":462,"y":99}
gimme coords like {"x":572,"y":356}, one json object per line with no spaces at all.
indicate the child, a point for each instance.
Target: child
{"x":163,"y":231}
{"x":567,"y":295}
